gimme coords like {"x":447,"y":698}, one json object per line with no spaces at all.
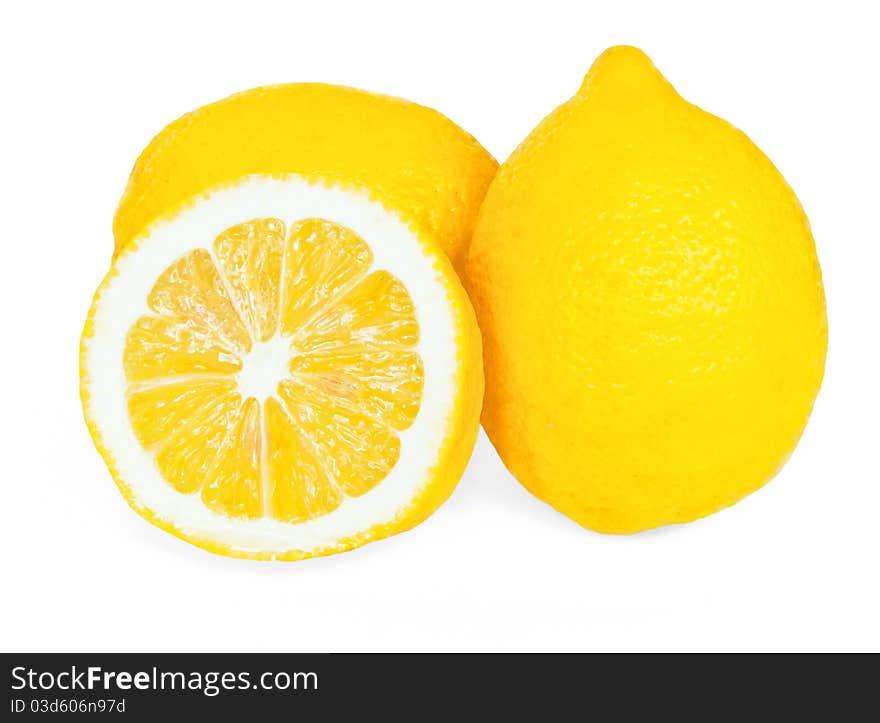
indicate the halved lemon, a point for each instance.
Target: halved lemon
{"x":282,"y":367}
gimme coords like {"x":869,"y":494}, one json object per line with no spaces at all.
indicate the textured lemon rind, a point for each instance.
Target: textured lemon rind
{"x":550,"y":266}
{"x":408,"y":157}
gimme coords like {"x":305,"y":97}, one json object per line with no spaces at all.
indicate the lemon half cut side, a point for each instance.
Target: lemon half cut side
{"x":282,"y":369}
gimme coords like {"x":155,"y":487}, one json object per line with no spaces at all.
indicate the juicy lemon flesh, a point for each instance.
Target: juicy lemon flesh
{"x":265,"y":301}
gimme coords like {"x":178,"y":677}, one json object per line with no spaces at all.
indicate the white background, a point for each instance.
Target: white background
{"x":86,"y":85}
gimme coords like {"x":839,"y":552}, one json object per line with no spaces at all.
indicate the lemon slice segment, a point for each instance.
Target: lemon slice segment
{"x":281,"y":370}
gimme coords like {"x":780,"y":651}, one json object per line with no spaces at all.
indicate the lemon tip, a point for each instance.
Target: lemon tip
{"x":625,"y":69}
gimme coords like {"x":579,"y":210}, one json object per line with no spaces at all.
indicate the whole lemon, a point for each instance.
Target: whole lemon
{"x":651,"y":303}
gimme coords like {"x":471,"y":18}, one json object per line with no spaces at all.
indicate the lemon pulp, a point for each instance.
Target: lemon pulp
{"x":274,"y":370}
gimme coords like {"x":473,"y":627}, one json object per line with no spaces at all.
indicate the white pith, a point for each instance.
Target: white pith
{"x":263,"y":367}
{"x":123,"y":299}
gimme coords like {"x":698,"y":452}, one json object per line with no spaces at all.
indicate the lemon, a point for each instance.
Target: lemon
{"x":281,"y":361}
{"x":651,"y":305}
